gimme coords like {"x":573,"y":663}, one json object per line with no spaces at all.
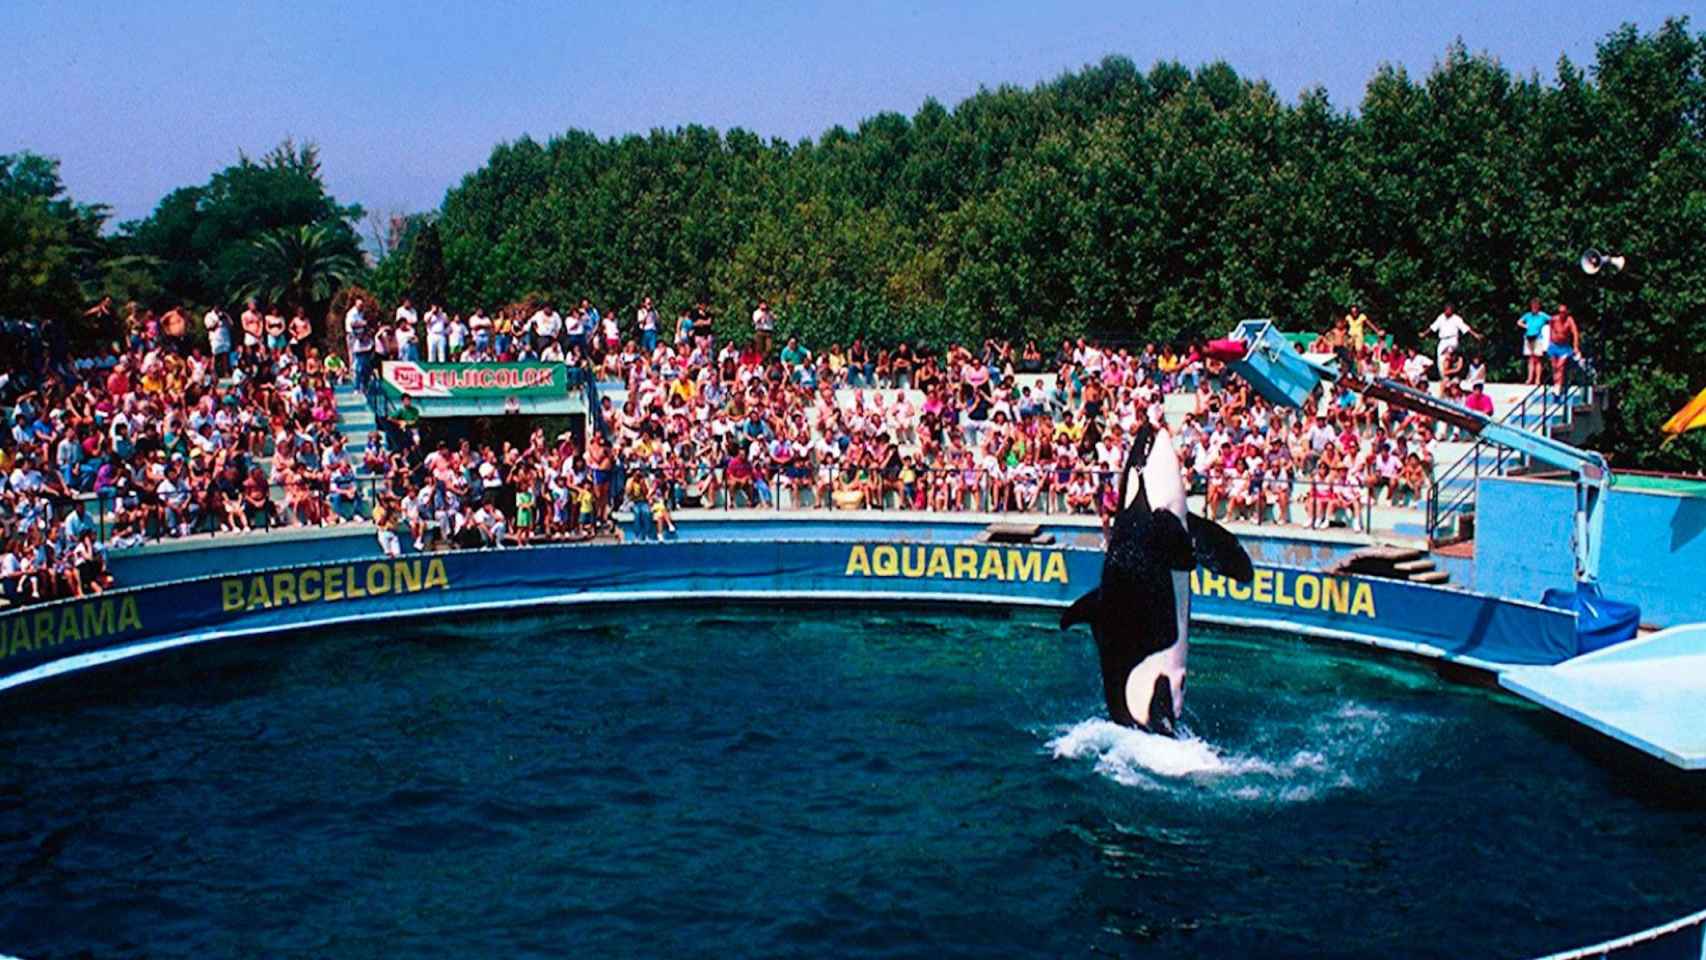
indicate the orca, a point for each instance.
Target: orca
{"x":1140,"y":613}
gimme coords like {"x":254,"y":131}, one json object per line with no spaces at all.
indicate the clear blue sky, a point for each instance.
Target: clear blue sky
{"x":405,"y":98}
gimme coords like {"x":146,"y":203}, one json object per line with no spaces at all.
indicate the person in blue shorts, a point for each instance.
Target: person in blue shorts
{"x":1566,"y":343}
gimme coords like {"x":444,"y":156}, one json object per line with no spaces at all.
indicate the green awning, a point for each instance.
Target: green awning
{"x":568,"y":404}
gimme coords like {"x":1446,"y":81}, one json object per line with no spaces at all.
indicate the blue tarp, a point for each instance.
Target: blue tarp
{"x":1600,"y":622}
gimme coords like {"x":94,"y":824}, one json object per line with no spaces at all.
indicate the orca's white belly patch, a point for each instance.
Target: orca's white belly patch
{"x":1140,"y":683}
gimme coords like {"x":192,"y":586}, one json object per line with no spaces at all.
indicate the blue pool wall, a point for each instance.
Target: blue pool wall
{"x":1455,"y":625}
{"x":203,"y":557}
{"x":1654,"y":553}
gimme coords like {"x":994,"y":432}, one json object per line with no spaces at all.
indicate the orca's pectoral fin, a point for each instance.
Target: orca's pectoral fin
{"x":1170,"y":541}
{"x":1083,"y":610}
{"x":1216,"y":548}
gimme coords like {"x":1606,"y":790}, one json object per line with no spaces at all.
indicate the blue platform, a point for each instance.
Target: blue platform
{"x":1649,"y":693}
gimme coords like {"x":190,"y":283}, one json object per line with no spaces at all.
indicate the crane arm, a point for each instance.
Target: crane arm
{"x":1259,"y":353}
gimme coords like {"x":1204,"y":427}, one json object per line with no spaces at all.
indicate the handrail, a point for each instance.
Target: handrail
{"x":1694,"y":944}
{"x":971,"y":489}
{"x":1538,"y":407}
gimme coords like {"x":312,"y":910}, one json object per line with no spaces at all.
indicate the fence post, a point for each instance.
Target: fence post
{"x":1432,"y":511}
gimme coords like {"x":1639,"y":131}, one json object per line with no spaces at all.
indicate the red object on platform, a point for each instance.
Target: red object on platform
{"x":1227,"y":349}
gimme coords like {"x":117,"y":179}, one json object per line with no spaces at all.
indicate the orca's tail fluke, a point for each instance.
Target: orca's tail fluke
{"x":1136,"y":455}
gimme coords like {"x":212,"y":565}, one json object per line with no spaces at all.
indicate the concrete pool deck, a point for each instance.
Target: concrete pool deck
{"x":1649,"y":693}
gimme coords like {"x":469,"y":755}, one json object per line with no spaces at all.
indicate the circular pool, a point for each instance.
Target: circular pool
{"x":809,"y":781}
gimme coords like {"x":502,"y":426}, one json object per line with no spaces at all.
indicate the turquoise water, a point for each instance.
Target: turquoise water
{"x":806,"y":782}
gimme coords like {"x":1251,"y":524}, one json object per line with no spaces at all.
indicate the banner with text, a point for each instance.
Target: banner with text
{"x":471,"y":380}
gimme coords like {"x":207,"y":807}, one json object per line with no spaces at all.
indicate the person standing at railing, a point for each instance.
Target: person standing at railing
{"x":1566,"y":344}
{"x":407,"y":342}
{"x":456,"y":334}
{"x":1533,"y":325}
{"x":254,"y":326}
{"x":276,"y":328}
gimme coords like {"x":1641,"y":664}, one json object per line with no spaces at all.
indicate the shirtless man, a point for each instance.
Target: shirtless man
{"x":599,"y":461}
{"x":1566,"y":343}
{"x":254,"y":327}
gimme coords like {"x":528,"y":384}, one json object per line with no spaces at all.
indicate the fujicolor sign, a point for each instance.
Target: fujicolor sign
{"x":474,"y":379}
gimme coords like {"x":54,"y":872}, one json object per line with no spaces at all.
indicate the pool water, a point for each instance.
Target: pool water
{"x":806,"y":781}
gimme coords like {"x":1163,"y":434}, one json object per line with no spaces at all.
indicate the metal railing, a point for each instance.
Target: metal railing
{"x":976,"y":490}
{"x":1451,"y":494}
{"x":128,"y":518}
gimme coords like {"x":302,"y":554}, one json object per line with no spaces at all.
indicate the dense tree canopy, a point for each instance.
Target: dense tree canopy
{"x":238,"y":233}
{"x":52,"y":252}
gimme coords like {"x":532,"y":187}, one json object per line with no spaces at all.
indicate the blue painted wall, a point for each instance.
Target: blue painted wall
{"x":169,"y":561}
{"x":1654,"y":553}
{"x":1420,"y":619}
{"x":161,"y":563}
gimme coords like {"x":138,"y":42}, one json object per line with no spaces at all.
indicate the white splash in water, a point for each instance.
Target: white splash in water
{"x":1134,"y":758}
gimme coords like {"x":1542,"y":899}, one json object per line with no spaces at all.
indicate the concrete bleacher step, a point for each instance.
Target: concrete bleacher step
{"x":1392,"y":563}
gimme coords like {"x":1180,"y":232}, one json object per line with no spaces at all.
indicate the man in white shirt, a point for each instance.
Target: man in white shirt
{"x":1416,"y":367}
{"x":360,"y":344}
{"x":406,"y":341}
{"x":218,"y":339}
{"x":438,"y":336}
{"x":405,"y":322}
{"x":480,"y":332}
{"x":1450,"y":328}
{"x":546,"y":324}
{"x":646,"y":319}
{"x":763,"y":327}
{"x":576,"y":326}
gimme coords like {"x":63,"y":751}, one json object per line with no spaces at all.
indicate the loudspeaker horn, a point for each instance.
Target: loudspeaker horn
{"x":1593,"y":261}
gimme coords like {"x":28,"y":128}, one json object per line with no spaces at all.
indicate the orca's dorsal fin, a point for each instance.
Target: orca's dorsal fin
{"x":1083,"y":610}
{"x":1216,"y":548}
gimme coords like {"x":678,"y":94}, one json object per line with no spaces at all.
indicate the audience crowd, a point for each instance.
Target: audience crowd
{"x":160,"y":436}
{"x":704,"y":423}
{"x":157,"y":436}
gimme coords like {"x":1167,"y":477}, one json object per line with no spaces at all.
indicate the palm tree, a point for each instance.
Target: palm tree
{"x":299,"y":266}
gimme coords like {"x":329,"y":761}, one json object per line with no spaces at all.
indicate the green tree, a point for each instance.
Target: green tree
{"x":296,"y":267}
{"x":426,"y":276}
{"x":53,"y":254}
{"x":202,"y":237}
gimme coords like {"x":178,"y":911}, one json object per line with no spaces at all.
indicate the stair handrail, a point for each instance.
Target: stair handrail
{"x":1541,"y":400}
